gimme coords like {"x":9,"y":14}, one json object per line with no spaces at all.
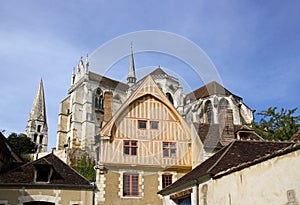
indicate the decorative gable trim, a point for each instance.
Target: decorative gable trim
{"x":147,"y":87}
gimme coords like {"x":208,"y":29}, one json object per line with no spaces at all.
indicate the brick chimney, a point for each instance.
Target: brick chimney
{"x":108,"y":96}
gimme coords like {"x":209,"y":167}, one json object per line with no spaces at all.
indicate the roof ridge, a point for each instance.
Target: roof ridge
{"x":266,"y":141}
{"x":225,"y":152}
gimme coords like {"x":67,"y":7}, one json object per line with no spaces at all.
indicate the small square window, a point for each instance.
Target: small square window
{"x":130,"y":147}
{"x":142,"y":124}
{"x":154,"y":125}
{"x":169,"y":149}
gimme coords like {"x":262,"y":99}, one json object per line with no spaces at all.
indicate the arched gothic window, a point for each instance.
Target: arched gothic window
{"x":223,"y":104}
{"x":209,"y":112}
{"x":99,"y":99}
{"x":169,"y":96}
{"x":222,"y":110}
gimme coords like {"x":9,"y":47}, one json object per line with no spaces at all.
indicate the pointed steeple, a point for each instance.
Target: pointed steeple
{"x":37,"y":128}
{"x":38,"y":111}
{"x":131,"y":79}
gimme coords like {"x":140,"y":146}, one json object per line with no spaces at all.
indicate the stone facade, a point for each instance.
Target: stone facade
{"x":49,"y":196}
{"x":84,"y":111}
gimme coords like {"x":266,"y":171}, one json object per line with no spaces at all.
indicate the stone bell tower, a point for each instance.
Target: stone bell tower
{"x":37,"y":129}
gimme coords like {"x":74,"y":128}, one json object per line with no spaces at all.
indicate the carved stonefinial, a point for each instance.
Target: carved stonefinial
{"x":80,"y":65}
{"x":73,"y":76}
{"x":87,"y":63}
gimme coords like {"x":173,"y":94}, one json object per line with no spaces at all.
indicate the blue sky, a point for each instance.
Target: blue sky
{"x":255,"y":46}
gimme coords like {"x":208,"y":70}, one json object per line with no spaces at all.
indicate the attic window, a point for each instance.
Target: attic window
{"x":154,"y":125}
{"x":142,"y":124}
{"x":43,"y":173}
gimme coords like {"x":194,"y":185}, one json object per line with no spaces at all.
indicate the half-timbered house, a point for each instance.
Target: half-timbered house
{"x":143,"y":148}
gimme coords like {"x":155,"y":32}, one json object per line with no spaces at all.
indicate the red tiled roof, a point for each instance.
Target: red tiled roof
{"x":63,"y":175}
{"x":235,"y":156}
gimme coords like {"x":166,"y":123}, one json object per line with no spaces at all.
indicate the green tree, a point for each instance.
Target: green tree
{"x":277,"y":125}
{"x":85,"y":167}
{"x":21,"y":144}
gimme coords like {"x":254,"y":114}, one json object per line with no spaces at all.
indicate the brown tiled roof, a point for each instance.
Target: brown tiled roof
{"x":63,"y":175}
{"x":235,"y":156}
{"x":211,"y":88}
{"x":107,"y":82}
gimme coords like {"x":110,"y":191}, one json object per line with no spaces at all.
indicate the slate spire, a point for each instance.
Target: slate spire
{"x":131,"y":78}
{"x":37,"y":128}
{"x":38,"y":111}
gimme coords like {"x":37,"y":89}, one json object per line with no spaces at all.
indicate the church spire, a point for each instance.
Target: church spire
{"x":131,"y":79}
{"x":38,"y":111}
{"x":37,"y":128}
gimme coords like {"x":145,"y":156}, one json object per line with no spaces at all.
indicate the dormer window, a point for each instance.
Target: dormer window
{"x":43,"y":173}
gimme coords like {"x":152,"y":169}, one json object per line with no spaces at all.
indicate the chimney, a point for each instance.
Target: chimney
{"x":108,"y":95}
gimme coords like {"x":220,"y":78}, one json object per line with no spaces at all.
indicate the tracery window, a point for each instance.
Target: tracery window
{"x":99,"y":99}
{"x":209,"y":112}
{"x":223,"y":106}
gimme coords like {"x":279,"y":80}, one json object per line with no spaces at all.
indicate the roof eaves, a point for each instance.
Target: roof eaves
{"x":285,"y":150}
{"x":183,"y":186}
{"x":46,"y":185}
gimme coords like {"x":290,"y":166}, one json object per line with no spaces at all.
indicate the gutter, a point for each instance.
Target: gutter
{"x":47,"y":185}
{"x":183,"y":186}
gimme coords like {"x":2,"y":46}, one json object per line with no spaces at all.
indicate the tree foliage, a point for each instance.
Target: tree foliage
{"x":277,"y":125}
{"x":85,"y":167}
{"x":21,"y":144}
